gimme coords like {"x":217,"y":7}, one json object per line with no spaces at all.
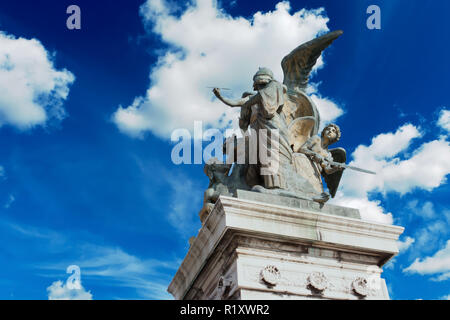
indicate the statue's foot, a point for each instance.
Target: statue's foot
{"x":259,"y":188}
{"x":324,"y":197}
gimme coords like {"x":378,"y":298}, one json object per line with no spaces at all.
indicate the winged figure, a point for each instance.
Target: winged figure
{"x":325,"y":162}
{"x":285,"y":110}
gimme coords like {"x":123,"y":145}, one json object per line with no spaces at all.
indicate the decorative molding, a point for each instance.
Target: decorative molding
{"x":271,"y":275}
{"x":318,"y":281}
{"x":361,"y":286}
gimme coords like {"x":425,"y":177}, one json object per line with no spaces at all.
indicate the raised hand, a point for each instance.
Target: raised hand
{"x":216,"y":92}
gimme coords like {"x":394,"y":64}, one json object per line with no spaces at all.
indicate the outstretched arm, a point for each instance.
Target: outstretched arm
{"x":307,"y":149}
{"x":230,"y":102}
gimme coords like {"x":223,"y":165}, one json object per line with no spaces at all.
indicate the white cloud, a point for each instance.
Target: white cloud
{"x":208,"y":47}
{"x":387,"y":145}
{"x":377,"y":157}
{"x":370,"y":210}
{"x":442,"y":277}
{"x":111,"y":264}
{"x":444,"y":119}
{"x":425,"y":211}
{"x":32,"y":91}
{"x":328,"y":110}
{"x":430,"y":235}
{"x":425,"y":168}
{"x":115,"y":267}
{"x":59,"y":291}
{"x":404,"y":245}
{"x":438,"y":264}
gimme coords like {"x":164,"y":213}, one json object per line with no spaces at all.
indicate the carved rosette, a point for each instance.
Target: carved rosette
{"x":361,"y":286}
{"x":318,"y":281}
{"x":270,"y":275}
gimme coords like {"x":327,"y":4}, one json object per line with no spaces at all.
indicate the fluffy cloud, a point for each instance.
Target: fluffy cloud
{"x":207,"y":47}
{"x":328,"y":109}
{"x":425,"y":168}
{"x":370,"y":210}
{"x":32,"y":91}
{"x":444,"y":119}
{"x":438,"y":264}
{"x":404,"y":245}
{"x":59,"y":291}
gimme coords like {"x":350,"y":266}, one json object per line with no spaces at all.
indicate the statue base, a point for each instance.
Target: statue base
{"x":259,"y":246}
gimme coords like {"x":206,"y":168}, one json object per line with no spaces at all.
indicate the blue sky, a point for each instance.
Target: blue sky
{"x":86,"y":176}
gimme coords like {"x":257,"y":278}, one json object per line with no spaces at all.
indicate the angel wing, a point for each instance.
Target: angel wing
{"x":332,"y":180}
{"x":301,"y":106}
{"x":299,"y":131}
{"x":298,"y":64}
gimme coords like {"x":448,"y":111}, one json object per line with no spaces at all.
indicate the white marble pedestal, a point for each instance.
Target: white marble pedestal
{"x":249,"y":249}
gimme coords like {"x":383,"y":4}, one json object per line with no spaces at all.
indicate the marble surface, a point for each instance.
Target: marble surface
{"x":298,"y":203}
{"x":261,"y":250}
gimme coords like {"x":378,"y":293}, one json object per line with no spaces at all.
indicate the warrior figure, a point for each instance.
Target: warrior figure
{"x":325,"y":162}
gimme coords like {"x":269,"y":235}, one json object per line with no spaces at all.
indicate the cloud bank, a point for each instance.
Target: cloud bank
{"x":398,"y":169}
{"x":438,"y":264}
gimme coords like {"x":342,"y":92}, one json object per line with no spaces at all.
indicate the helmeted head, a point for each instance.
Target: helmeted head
{"x":262,"y":77}
{"x":332,"y":132}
